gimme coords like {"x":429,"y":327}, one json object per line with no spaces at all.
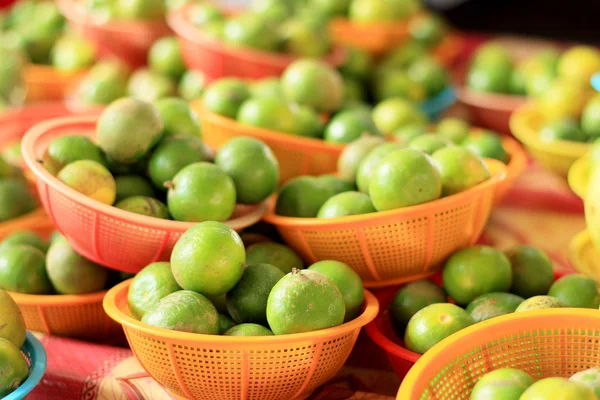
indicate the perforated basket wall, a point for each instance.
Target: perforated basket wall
{"x":211,"y":367}
{"x":75,"y":316}
{"x":391,"y":247}
{"x":545,"y":343}
{"x":109,"y":236}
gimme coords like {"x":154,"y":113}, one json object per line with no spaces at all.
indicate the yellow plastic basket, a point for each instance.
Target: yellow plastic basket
{"x":75,"y":316}
{"x":558,"y":156}
{"x":584,"y":255}
{"x":545,"y":343}
{"x":209,"y":367}
{"x":579,"y":175}
{"x":395,"y":246}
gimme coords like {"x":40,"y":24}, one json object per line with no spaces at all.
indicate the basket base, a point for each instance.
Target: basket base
{"x":397,"y":281}
{"x":303,"y":396}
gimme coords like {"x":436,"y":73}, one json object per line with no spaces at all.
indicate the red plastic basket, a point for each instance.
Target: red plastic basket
{"x":217,"y":59}
{"x":127,"y":40}
{"x":384,"y":335}
{"x":107,"y":235}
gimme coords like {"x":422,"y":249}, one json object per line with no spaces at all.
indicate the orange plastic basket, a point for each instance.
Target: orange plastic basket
{"x":517,"y":164}
{"x":35,"y":221}
{"x":382,"y":332}
{"x":45,"y":83}
{"x":127,"y":40}
{"x":297,"y":155}
{"x":376,"y":39}
{"x":544,"y":343}
{"x":391,"y":247}
{"x":207,"y":367}
{"x":107,"y":235}
{"x":217,"y":59}
{"x":75,"y":316}
{"x":558,"y":156}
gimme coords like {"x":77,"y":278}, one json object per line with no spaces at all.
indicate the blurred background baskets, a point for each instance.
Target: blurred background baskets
{"x":558,"y":156}
{"x":544,"y":343}
{"x":74,"y":316}
{"x":217,"y":59}
{"x":107,"y":235}
{"x":207,"y":367}
{"x":376,"y":38}
{"x":579,"y":175}
{"x":45,"y":83}
{"x":127,"y":40}
{"x":35,"y":355}
{"x":584,"y":256}
{"x":36,"y":221}
{"x":391,"y":247}
{"x":517,"y":164}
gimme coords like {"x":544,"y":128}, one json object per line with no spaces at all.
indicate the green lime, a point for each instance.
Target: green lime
{"x":347,"y":281}
{"x":72,"y":53}
{"x":404,"y":55}
{"x":13,"y":325}
{"x":562,"y":129}
{"x":308,"y":122}
{"x":225,"y":96}
{"x":13,"y":366}
{"x":304,"y":301}
{"x":248,"y":330}
{"x":104,"y":83}
{"x":332,"y":8}
{"x":348,"y":126}
{"x":269,"y":113}
{"x":23,"y":270}
{"x":149,"y":286}
{"x":313,"y":83}
{"x":208,"y":258}
{"x":15,"y":199}
{"x":273,"y":10}
{"x":590,"y":119}
{"x":346,"y":204}
{"x":430,"y":75}
{"x":492,"y":305}
{"x":394,"y":113}
{"x":338,"y":185}
{"x":184,"y":311}
{"x":132,"y":185}
{"x":144,"y":205}
{"x":429,"y":143}
{"x":460,"y":169}
{"x":178,"y":117}
{"x":454,"y":129}
{"x":192,"y":85}
{"x":532,"y":271}
{"x":354,"y":153}
{"x":251,"y":31}
{"x":486,"y":144}
{"x":302,"y":197}
{"x":90,"y":179}
{"x":411,"y":298}
{"x":370,"y":163}
{"x":165,"y":57}
{"x":252,"y":166}
{"x":150,"y":86}
{"x":225,"y":323}
{"x":427,"y":29}
{"x":396,"y":83}
{"x":489,"y":78}
{"x":205,"y":13}
{"x":576,"y":290}
{"x":268,"y":87}
{"x":405,"y":134}
{"x":247,"y":301}
{"x":539,"y":303}
{"x":371,"y":11}
{"x":404,"y":178}
{"x":276,"y":254}
{"x":304,"y":39}
{"x":141,"y":9}
{"x":215,"y":203}
{"x":539,"y":83}
{"x":502,"y":384}
{"x":24,"y":237}
{"x":434,"y":323}
{"x":127,"y":129}
{"x":66,"y":149}
{"x":493,"y":54}
{"x":557,"y":388}
{"x":590,"y":378}
{"x":172,"y":155}
{"x":357,"y":63}
{"x":474,"y":271}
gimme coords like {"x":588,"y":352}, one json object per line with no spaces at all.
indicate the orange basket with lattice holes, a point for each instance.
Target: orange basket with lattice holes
{"x":297,"y":155}
{"x":35,"y":221}
{"x":517,"y":164}
{"x":546,"y":343}
{"x":128,"y":40}
{"x":107,"y":235}
{"x":217,"y":59}
{"x":395,"y":246}
{"x":207,"y":367}
{"x":75,"y":316}
{"x":45,"y":83}
{"x":557,"y":156}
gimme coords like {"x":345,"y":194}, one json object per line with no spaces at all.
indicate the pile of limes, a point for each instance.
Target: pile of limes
{"x":515,"y":384}
{"x":147,"y":156}
{"x":30,"y":265}
{"x":213,"y":285}
{"x":481,"y":283}
{"x":16,"y":198}
{"x":12,"y":336}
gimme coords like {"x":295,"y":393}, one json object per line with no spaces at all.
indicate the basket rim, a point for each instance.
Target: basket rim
{"x":178,"y":22}
{"x":518,"y":157}
{"x":339,"y":222}
{"x":521,"y":128}
{"x":576,"y":176}
{"x":254,"y":214}
{"x":453,"y":345}
{"x":72,"y":12}
{"x":36,"y":216}
{"x":57,"y":299}
{"x":36,"y":369}
{"x":371,"y":309}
